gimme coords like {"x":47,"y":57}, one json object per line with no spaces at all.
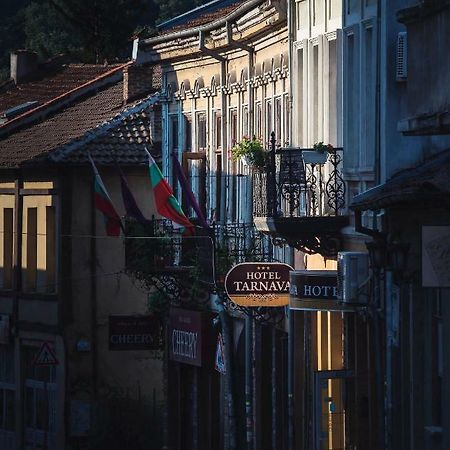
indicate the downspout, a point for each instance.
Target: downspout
{"x":290,"y":343}
{"x":248,"y":317}
{"x":227,"y":331}
{"x":378,"y":100}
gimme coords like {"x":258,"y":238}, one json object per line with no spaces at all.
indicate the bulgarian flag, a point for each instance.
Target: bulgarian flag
{"x":104,"y":204}
{"x":166,"y":204}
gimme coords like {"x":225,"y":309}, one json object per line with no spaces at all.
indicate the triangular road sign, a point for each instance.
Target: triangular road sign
{"x":220,"y":356}
{"x":45,"y":356}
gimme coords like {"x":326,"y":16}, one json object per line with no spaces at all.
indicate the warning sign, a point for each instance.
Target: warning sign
{"x":220,"y":357}
{"x":45,"y":356}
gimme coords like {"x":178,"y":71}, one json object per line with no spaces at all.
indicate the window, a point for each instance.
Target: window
{"x":187,"y":133}
{"x":218,"y":131}
{"x":7,"y":391}
{"x":39,"y":401}
{"x":332,"y":92}
{"x":31,"y":250}
{"x":316,"y":93}
{"x":269,"y":127}
{"x":50,"y":244}
{"x":8,"y":222}
{"x":245,"y":124}
{"x":278,"y":119}
{"x":286,"y":120}
{"x":233,"y":127}
{"x":258,"y":121}
{"x":201,"y":132}
{"x":173,"y":134}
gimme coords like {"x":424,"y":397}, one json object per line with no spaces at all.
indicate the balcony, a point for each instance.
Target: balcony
{"x":301,"y":203}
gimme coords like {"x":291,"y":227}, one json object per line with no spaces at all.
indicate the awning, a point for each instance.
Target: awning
{"x":428,"y":183}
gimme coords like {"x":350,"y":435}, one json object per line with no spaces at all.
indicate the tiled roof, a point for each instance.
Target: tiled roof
{"x":202,"y":19}
{"x":52,"y":84}
{"x":126,"y":140}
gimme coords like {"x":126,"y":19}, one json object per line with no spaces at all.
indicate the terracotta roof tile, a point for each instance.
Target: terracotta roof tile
{"x":71,"y":123}
{"x":52,"y":84}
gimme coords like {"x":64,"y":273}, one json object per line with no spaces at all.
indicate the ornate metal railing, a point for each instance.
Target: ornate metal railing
{"x":239,"y":242}
{"x":292,"y":187}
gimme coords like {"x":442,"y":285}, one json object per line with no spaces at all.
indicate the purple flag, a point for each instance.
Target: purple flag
{"x":189,"y":195}
{"x":129,"y":201}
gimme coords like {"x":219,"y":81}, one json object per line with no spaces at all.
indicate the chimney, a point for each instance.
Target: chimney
{"x":23,"y":64}
{"x":137,"y":81}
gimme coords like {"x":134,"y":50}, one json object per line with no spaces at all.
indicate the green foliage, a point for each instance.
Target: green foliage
{"x":320,"y":147}
{"x":158,"y":303}
{"x":88,"y":30}
{"x":252,"y":151}
{"x":46,"y":34}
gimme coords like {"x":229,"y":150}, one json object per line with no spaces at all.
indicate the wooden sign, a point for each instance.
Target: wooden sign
{"x":259,"y":284}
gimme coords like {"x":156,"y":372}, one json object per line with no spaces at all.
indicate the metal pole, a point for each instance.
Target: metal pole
{"x":227,"y":336}
{"x":249,"y":378}
{"x":389,"y":342}
{"x":290,"y":379}
{"x":274,"y":388}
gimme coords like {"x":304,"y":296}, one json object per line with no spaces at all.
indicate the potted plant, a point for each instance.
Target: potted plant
{"x":251,"y":152}
{"x":318,"y":155}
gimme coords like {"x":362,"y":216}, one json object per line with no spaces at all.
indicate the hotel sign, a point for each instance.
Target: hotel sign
{"x":315,"y":290}
{"x":259,"y":284}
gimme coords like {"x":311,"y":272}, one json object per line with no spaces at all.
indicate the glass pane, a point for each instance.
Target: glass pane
{"x":29,"y":407}
{"x":42,"y":405}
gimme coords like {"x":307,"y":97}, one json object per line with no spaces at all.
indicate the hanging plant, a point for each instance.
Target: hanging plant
{"x":320,"y":147}
{"x":251,"y":152}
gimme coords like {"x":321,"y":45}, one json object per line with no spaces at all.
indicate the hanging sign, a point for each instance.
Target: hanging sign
{"x":191,"y":337}
{"x":315,"y":290}
{"x":259,"y":284}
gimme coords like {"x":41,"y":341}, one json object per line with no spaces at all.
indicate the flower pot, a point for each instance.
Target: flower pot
{"x":313,"y":157}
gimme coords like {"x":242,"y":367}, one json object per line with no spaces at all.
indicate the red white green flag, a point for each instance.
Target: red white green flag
{"x":104,"y":204}
{"x":166,"y":204}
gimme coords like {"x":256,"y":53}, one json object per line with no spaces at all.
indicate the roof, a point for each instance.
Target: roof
{"x":120,"y":131}
{"x":429,"y":182}
{"x":195,"y":13}
{"x":200,"y":16}
{"x":53,"y":83}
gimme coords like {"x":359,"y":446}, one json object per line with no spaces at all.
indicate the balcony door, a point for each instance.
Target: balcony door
{"x":194,"y":167}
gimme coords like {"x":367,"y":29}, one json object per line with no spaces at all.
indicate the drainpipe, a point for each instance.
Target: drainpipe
{"x":290,"y":344}
{"x":249,"y":317}
{"x":227,"y":332}
{"x":378,"y":99}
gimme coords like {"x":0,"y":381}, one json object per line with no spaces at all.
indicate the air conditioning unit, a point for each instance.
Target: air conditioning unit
{"x":353,"y":274}
{"x":402,"y":56}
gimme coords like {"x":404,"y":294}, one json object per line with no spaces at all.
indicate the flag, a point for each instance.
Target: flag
{"x":131,"y":207}
{"x":104,"y":204}
{"x":166,"y":204}
{"x":189,"y":195}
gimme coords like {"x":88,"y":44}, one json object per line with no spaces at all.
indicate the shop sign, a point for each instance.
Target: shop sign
{"x":134,"y":332}
{"x":187,"y":336}
{"x":259,"y":284}
{"x":315,"y":290}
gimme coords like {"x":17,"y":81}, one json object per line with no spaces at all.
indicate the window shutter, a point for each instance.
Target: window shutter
{"x":402,"y":56}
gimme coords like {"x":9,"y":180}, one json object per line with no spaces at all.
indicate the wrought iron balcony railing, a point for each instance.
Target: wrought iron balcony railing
{"x":293,"y":188}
